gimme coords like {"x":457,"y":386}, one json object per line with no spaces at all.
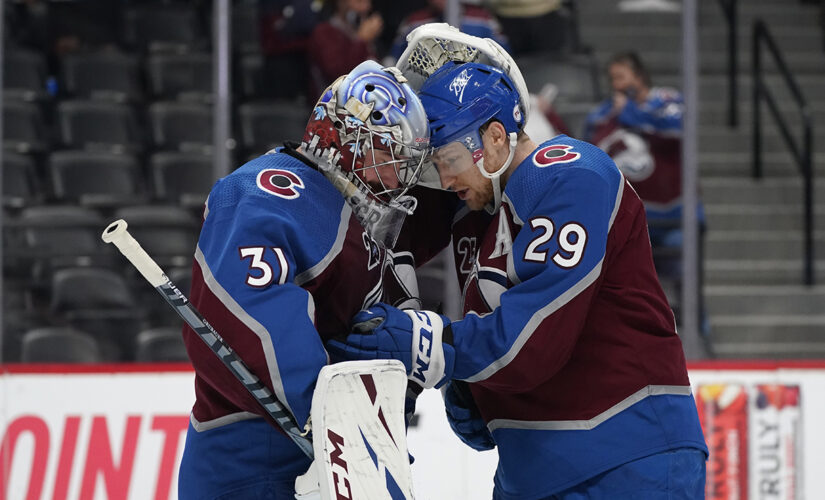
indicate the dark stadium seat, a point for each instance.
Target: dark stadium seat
{"x":184,"y":77}
{"x":24,"y":130}
{"x":181,"y":126}
{"x":59,"y":345}
{"x":168,"y":233}
{"x":59,"y":236}
{"x":102,"y":75}
{"x":21,"y":185}
{"x":89,"y":288}
{"x":163,"y":27}
{"x":99,"y":126}
{"x":100,"y":302}
{"x":160,"y":345}
{"x":259,"y":77}
{"x":182,"y":178}
{"x":265,"y":125}
{"x":18,"y":318}
{"x":24,"y":75}
{"x":96,"y":179}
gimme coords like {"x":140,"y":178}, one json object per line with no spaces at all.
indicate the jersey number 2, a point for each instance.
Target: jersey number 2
{"x":260,"y":272}
{"x":572,"y":240}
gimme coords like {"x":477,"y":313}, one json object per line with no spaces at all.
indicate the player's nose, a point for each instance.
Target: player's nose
{"x":447,"y":180}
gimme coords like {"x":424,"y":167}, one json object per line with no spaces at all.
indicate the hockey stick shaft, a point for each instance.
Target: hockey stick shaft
{"x":117,"y":234}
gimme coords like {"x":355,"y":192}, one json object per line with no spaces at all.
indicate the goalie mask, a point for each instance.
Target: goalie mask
{"x":369,"y":135}
{"x":460,"y":99}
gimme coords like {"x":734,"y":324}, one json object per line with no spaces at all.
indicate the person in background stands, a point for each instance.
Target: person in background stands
{"x":475,"y":20}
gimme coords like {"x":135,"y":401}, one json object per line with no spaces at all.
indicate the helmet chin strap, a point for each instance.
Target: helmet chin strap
{"x":495,"y":177}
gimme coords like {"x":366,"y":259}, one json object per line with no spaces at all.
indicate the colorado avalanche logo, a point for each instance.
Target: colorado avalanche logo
{"x":383,"y":91}
{"x":282,"y":183}
{"x":631,"y":154}
{"x":557,"y":153}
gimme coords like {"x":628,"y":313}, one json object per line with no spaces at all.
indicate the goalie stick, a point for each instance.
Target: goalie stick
{"x":117,"y":234}
{"x":358,"y":406}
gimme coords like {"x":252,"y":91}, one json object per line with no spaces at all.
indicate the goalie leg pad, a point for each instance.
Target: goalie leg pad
{"x":358,"y":430}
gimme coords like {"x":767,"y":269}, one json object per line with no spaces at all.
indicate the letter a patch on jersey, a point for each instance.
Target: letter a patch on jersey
{"x":556,"y":153}
{"x":504,"y":239}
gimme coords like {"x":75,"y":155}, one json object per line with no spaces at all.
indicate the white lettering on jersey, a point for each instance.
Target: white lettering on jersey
{"x":504,"y":240}
{"x":572,"y":239}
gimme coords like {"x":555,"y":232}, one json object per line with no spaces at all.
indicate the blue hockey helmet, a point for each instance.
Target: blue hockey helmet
{"x":460,"y":98}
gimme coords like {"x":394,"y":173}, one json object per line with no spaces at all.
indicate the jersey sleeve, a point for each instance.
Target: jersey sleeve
{"x":662,"y":114}
{"x":557,"y":256}
{"x":249,"y":259}
{"x":595,"y":117}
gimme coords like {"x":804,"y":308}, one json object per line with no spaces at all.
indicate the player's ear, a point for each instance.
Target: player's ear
{"x":496,"y":134}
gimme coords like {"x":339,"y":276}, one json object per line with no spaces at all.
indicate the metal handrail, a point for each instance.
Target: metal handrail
{"x":803,"y":155}
{"x":729,"y":8}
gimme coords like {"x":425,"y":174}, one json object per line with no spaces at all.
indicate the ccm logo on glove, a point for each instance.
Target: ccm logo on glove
{"x":428,"y":363}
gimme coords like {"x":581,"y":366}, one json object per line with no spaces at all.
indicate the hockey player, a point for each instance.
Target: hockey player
{"x":293,"y":244}
{"x":567,"y":343}
{"x":640,"y":127}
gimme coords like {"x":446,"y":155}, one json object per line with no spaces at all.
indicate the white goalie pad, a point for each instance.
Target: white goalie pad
{"x":431,"y":45}
{"x":359,"y":436}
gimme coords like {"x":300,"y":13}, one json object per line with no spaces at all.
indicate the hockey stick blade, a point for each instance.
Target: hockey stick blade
{"x":117,"y":234}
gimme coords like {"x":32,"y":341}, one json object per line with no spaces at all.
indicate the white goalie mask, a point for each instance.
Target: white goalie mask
{"x":370,"y":137}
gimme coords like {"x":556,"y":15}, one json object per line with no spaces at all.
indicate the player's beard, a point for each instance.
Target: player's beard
{"x":481,"y":196}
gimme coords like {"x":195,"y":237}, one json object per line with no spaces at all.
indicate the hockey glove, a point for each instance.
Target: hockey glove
{"x":464,"y":418}
{"x":412,"y":337}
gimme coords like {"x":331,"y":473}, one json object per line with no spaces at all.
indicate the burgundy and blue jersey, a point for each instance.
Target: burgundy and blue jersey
{"x":645,"y":141}
{"x":281,"y":266}
{"x":567,"y":340}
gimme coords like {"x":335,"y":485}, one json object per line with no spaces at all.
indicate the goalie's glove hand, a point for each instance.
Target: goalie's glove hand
{"x":464,"y":417}
{"x":419,"y":339}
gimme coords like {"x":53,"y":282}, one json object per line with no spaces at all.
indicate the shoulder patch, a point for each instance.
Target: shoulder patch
{"x":281,"y":183}
{"x":556,"y":153}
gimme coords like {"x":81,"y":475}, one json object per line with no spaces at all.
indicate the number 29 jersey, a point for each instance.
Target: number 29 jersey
{"x":567,"y":340}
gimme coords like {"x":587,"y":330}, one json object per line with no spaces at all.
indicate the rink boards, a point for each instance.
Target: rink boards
{"x":117,"y":431}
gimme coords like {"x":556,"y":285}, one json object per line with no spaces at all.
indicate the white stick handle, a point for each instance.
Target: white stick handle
{"x":116,"y":233}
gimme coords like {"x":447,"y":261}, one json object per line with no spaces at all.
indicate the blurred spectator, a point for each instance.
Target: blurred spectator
{"x":475,"y":20}
{"x":285,"y":29}
{"x":531,"y":25}
{"x":640,"y":127}
{"x":346,"y":39}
